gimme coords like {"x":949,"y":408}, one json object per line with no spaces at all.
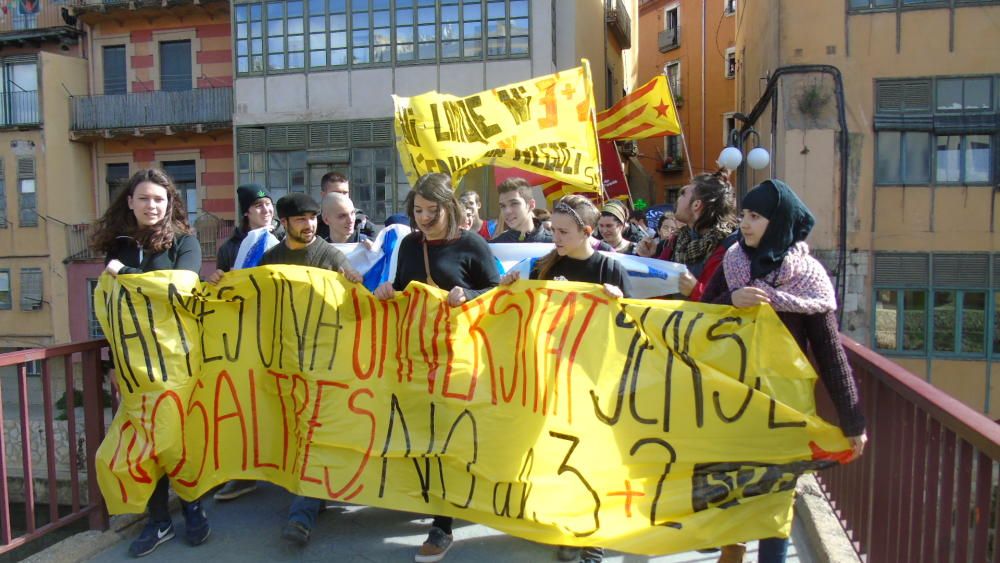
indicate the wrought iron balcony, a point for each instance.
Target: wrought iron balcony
{"x":669,"y":39}
{"x":30,"y":23}
{"x":19,"y":109}
{"x":161,"y":112}
{"x":617,"y":18}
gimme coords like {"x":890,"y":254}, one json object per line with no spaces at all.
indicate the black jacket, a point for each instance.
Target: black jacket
{"x":184,"y":254}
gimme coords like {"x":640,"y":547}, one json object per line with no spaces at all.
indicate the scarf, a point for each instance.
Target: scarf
{"x":798,"y":285}
{"x":790,"y":221}
{"x":690,"y":249}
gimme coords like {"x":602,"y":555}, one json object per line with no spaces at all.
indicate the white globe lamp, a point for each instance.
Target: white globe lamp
{"x":730,"y":158}
{"x":758,"y":159}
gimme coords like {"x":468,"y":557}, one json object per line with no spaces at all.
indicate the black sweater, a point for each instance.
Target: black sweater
{"x":464,"y":262}
{"x":597,"y":269}
{"x":184,"y":254}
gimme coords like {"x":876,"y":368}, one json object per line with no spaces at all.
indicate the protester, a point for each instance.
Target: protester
{"x":516,"y":205}
{"x":707,"y":211}
{"x":144,"y":230}
{"x":442,"y":255}
{"x":336,"y":183}
{"x":666,"y":226}
{"x":771,"y":265}
{"x":468,"y":220}
{"x":637,"y":220}
{"x":574,"y":259}
{"x":614,"y":218}
{"x":340,"y":216}
{"x":256,"y":212}
{"x":297,"y":213}
{"x":470,"y":201}
{"x":543,"y":217}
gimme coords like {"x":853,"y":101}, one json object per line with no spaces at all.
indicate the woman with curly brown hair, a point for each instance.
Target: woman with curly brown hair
{"x":146,"y":229}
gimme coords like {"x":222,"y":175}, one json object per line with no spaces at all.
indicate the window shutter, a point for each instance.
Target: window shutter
{"x":889,"y":96}
{"x":251,"y":139}
{"x":25,"y":168}
{"x":917,"y":96}
{"x":286,"y":137}
{"x":902,"y":269}
{"x":372,"y":132}
{"x":962,"y":270}
{"x":31,"y":289}
{"x":329,"y":135}
{"x":896,"y":96}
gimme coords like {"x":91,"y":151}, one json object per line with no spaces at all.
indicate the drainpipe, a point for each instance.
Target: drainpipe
{"x":765,"y":101}
{"x":703,"y":13}
{"x":88,"y":29}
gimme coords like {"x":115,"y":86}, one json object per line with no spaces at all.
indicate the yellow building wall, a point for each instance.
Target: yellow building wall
{"x":596,"y":42}
{"x":883,"y":218}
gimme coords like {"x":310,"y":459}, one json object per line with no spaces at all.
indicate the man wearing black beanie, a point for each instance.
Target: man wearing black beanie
{"x":256,"y":211}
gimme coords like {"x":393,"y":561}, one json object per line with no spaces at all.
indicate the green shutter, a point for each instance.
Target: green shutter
{"x":897,"y":269}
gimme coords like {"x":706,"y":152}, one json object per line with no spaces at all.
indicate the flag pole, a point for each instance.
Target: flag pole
{"x":680,"y":123}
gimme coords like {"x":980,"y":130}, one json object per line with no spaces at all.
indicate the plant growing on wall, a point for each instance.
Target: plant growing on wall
{"x":813,"y":100}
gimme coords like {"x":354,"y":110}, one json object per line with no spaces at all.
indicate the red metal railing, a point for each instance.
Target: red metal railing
{"x":84,"y":357}
{"x":926,"y":489}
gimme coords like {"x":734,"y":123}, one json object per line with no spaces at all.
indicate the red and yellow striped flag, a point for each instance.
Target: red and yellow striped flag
{"x":647,"y":112}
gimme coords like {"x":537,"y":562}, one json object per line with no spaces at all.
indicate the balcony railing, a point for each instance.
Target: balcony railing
{"x":617,"y":18}
{"x":927,"y":487}
{"x":206,"y":107}
{"x":83,"y":7}
{"x":211,"y":231}
{"x":669,"y":39}
{"x":48,"y":456}
{"x":22,"y":17}
{"x":19,"y":109}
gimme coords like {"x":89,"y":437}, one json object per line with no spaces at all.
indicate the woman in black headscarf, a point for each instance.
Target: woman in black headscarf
{"x":771,"y":264}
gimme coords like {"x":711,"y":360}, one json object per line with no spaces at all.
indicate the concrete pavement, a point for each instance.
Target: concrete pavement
{"x":249,"y":529}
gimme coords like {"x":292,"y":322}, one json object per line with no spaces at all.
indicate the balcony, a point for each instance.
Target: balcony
{"x":669,"y":39}
{"x":151,"y":113}
{"x":87,"y":8}
{"x":19,"y":110}
{"x":29,"y":24}
{"x":210,"y":230}
{"x":617,"y":18}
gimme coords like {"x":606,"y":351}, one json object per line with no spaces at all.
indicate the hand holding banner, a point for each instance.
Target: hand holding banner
{"x":543,"y":409}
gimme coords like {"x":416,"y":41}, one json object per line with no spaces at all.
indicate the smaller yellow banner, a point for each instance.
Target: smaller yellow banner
{"x":543,"y":125}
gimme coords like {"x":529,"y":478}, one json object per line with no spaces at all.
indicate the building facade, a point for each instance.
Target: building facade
{"x":905,"y":197}
{"x":693,"y":44}
{"x":41,"y":62}
{"x":314,"y":79}
{"x":159,"y":95}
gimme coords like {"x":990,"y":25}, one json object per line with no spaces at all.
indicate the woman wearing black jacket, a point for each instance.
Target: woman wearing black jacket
{"x":145,"y":229}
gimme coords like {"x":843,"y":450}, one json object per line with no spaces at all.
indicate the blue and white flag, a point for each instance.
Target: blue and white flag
{"x":253,"y":247}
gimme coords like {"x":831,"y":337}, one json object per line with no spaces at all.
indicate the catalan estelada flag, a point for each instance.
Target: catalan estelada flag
{"x":647,"y":112}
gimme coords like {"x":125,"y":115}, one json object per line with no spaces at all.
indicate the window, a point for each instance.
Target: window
{"x":730,"y":70}
{"x":902,"y":158}
{"x":175,"y":66}
{"x":115,"y":81}
{"x":673,"y":72}
{"x":728,"y":125}
{"x":27,"y":198}
{"x":31,"y":289}
{"x":19,"y":93}
{"x":116,"y":175}
{"x":286,"y":172}
{"x":184,"y":175}
{"x":252,"y":170}
{"x":935,"y":304}
{"x":672,"y":17}
{"x":335,"y":33}
{"x":964,"y":94}
{"x":93,"y":326}
{"x":963,"y":159}
{"x":371,"y":181}
{"x":5,"y":296}
{"x":866,"y":4}
{"x":730,"y":7}
{"x":901,"y":320}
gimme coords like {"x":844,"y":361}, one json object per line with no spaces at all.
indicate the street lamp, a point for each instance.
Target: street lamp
{"x":731,"y":157}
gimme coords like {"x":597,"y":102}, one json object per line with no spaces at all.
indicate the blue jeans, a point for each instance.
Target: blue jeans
{"x":772,"y":550}
{"x":304,"y":510}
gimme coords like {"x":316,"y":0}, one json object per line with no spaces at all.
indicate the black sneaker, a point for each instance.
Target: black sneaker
{"x":592,"y":555}
{"x":196,"y":528}
{"x":151,"y":537}
{"x":296,"y":532}
{"x":567,"y":553}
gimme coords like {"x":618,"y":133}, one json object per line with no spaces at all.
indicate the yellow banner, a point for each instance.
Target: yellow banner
{"x":545,"y":410}
{"x":543,"y":125}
